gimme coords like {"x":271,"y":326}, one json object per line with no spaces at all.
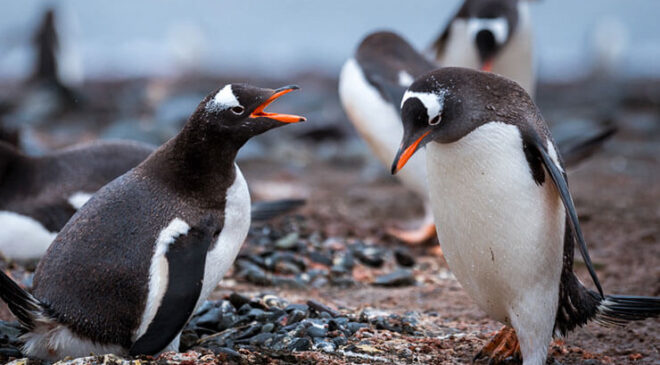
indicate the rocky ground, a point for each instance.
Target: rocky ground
{"x":327,"y":284}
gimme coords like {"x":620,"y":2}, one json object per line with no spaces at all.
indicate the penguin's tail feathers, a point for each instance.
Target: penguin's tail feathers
{"x":21,"y":303}
{"x":267,"y":210}
{"x":619,"y":309}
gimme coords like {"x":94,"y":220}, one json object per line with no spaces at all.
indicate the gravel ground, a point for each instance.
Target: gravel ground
{"x":327,"y":284}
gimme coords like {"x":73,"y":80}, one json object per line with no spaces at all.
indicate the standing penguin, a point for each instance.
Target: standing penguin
{"x":371,"y":85}
{"x":504,"y":213}
{"x":491,"y":35}
{"x":131,"y":266}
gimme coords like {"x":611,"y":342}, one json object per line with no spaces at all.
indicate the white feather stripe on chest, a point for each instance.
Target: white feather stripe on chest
{"x":158,"y":272}
{"x":230,"y":239}
{"x":501,"y":233}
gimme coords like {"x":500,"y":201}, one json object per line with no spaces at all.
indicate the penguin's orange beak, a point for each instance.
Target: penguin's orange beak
{"x":405,"y":153}
{"x":284,"y":118}
{"x":487,"y":66}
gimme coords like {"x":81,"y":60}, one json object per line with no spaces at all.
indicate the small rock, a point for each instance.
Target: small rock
{"x":300,"y":344}
{"x":317,"y":331}
{"x":287,"y":242}
{"x":370,"y":256}
{"x":396,"y":278}
{"x":295,"y":316}
{"x":301,"y":307}
{"x":320,"y":307}
{"x":268,"y":327}
{"x":404,"y":258}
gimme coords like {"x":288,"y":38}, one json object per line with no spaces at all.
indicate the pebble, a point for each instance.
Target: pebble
{"x":400,"y":277}
{"x":404,"y":258}
{"x":370,"y":256}
{"x":287,"y":242}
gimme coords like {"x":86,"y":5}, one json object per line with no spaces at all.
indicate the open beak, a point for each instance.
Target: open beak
{"x":284,"y":118}
{"x":405,"y":153}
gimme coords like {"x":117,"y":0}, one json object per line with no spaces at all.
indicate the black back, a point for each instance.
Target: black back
{"x":109,"y":242}
{"x":382,"y":56}
{"x":94,"y":277}
{"x":39,"y":187}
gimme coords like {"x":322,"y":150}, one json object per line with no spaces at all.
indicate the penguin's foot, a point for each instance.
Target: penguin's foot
{"x":415,"y":236}
{"x":504,"y":348}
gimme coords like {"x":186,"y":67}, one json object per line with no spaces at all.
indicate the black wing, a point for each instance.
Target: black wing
{"x":559,"y":180}
{"x":186,"y":258}
{"x":578,"y":150}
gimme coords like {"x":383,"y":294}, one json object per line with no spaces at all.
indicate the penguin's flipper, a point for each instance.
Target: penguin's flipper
{"x":186,"y":258}
{"x":267,"y":210}
{"x":391,"y":90}
{"x":559,"y":180}
{"x":582,"y":149}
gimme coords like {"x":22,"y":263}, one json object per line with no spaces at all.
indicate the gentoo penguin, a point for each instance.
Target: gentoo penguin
{"x":38,"y":194}
{"x":127,"y":271}
{"x":371,"y":85}
{"x":505,"y":217}
{"x":491,"y":35}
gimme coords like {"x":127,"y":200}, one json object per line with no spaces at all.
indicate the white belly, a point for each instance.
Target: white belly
{"x":231,"y":238}
{"x":501,"y":234}
{"x":379,"y":124}
{"x":22,"y":237}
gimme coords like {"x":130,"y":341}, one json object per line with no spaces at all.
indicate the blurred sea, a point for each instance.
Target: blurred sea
{"x":126,"y":38}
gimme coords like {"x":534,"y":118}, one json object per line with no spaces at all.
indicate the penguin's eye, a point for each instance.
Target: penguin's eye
{"x":435,"y":120}
{"x":238,"y":110}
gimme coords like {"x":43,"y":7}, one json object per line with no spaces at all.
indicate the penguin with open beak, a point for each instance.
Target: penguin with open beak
{"x":490,"y":35}
{"x":130,"y":268}
{"x":503,"y":211}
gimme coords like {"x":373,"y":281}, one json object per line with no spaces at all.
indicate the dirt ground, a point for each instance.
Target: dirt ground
{"x":352,"y":197}
{"x":616,"y":194}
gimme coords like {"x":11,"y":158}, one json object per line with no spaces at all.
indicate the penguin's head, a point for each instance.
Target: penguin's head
{"x":238,"y":109}
{"x":490,"y":24}
{"x":446,"y":104}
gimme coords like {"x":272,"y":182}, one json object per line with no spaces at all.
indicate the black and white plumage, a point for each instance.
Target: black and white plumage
{"x":371,"y":85}
{"x":127,"y":271}
{"x":39,"y":194}
{"x":491,"y":35}
{"x":505,"y":217}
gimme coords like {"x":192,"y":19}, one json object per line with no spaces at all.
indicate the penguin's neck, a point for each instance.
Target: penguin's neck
{"x":198,"y":162}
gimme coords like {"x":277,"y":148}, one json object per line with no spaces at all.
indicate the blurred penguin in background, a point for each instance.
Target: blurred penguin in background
{"x":490,"y":35}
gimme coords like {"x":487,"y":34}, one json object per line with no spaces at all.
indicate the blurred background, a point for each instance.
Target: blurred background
{"x":137,"y":70}
{"x":74,"y":71}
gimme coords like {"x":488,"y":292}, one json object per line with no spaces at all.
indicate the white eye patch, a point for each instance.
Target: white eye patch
{"x":498,"y":26}
{"x":433,"y":102}
{"x":224,"y":99}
